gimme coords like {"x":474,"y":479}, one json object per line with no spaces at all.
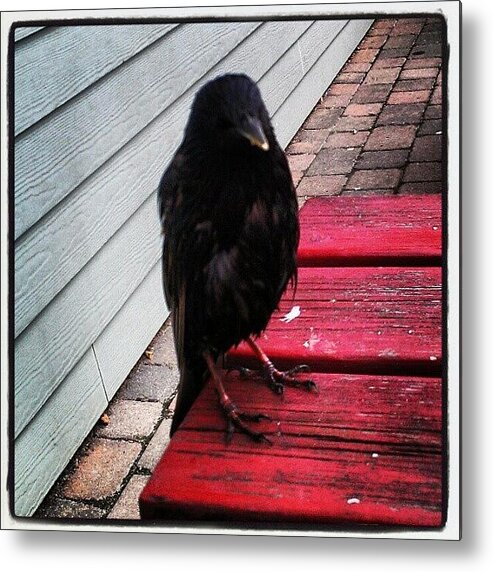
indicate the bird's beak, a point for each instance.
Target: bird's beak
{"x":252,"y":130}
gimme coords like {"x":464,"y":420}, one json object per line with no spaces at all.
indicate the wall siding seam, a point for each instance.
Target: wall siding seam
{"x":99,"y":369}
{"x":295,"y":85}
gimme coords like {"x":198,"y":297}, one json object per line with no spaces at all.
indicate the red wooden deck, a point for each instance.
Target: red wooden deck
{"x":366,"y":449}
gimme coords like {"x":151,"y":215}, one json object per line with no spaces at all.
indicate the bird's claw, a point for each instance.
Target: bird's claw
{"x":278,"y":379}
{"x":236,"y":419}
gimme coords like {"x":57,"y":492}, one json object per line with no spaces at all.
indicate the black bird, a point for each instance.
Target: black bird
{"x":229,"y":219}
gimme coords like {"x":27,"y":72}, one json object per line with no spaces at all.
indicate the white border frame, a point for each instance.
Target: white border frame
{"x":451,"y":12}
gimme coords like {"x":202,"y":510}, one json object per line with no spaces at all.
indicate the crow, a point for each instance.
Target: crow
{"x":229,"y":219}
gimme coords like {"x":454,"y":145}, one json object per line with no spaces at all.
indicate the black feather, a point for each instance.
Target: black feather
{"x":228,"y":211}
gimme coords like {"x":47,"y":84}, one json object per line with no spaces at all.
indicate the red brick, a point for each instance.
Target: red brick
{"x":386,"y":24}
{"x":400,"y":41}
{"x":433,"y":112}
{"x":388,"y":63}
{"x":427,"y":51}
{"x":352,"y":77}
{"x":417,"y":188}
{"x":299,"y":163}
{"x":413,"y":63}
{"x":372,"y":42}
{"x":414,"y":84}
{"x":307,"y":141}
{"x":333,"y":162}
{"x":407,"y":27}
{"x":372,"y":93}
{"x":362,"y":109}
{"x":436,"y":97}
{"x":391,"y":137}
{"x":319,"y":185}
{"x":335,"y":100}
{"x":418,"y":73}
{"x":101,"y":471}
{"x":322,"y":118}
{"x":423,"y":172}
{"x":131,"y":419}
{"x":364,"y":56}
{"x":296,"y":176}
{"x":427,"y":148}
{"x":375,"y":179}
{"x":343,"y":89}
{"x":430,"y":127}
{"x":346,"y":139}
{"x":356,"y":67}
{"x":127,"y":506}
{"x":392,"y":159}
{"x":384,"y":75}
{"x":311,"y":135}
{"x":355,"y":123}
{"x":401,"y":97}
{"x":394,"y":52}
{"x":401,"y":114}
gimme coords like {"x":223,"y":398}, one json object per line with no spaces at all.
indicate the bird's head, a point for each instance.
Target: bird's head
{"x":229,"y":112}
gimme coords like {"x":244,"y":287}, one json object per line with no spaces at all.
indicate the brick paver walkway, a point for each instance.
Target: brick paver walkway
{"x":377,"y":130}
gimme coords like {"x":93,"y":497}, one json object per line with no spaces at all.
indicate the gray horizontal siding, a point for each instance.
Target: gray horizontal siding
{"x":88,"y":158}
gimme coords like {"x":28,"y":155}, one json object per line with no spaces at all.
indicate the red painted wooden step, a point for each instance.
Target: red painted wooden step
{"x":365,"y":449}
{"x":357,"y":320}
{"x":368,"y":448}
{"x":400,"y":231}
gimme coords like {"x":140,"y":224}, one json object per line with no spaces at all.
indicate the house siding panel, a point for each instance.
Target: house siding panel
{"x":95,"y":131}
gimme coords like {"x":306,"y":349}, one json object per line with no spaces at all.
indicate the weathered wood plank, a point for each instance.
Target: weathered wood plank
{"x":47,"y":444}
{"x":365,"y":450}
{"x":54,"y":342}
{"x":43,"y":262}
{"x":158,"y":76}
{"x":364,"y":231}
{"x":373,"y":320}
{"x":52,"y":69}
{"x":124,"y":340}
{"x":23,"y":32}
{"x":291,"y":114}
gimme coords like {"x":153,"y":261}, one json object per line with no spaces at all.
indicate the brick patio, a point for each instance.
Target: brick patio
{"x":377,"y":130}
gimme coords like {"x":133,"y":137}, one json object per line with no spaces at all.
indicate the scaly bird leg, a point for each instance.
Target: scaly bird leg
{"x":278,"y":379}
{"x":235,"y":417}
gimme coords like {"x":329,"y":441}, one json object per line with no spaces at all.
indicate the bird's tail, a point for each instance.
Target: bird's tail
{"x":192,"y":378}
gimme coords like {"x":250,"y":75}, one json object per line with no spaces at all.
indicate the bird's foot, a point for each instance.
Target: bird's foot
{"x":237,"y":418}
{"x":278,"y":379}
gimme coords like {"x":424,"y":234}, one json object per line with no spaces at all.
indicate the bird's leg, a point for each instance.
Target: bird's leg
{"x":235,"y":417}
{"x":278,"y":379}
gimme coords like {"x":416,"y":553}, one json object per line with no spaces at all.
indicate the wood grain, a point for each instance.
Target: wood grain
{"x":385,"y":320}
{"x":52,"y":69}
{"x":371,"y":231}
{"x":23,"y":32}
{"x":365,"y":450}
